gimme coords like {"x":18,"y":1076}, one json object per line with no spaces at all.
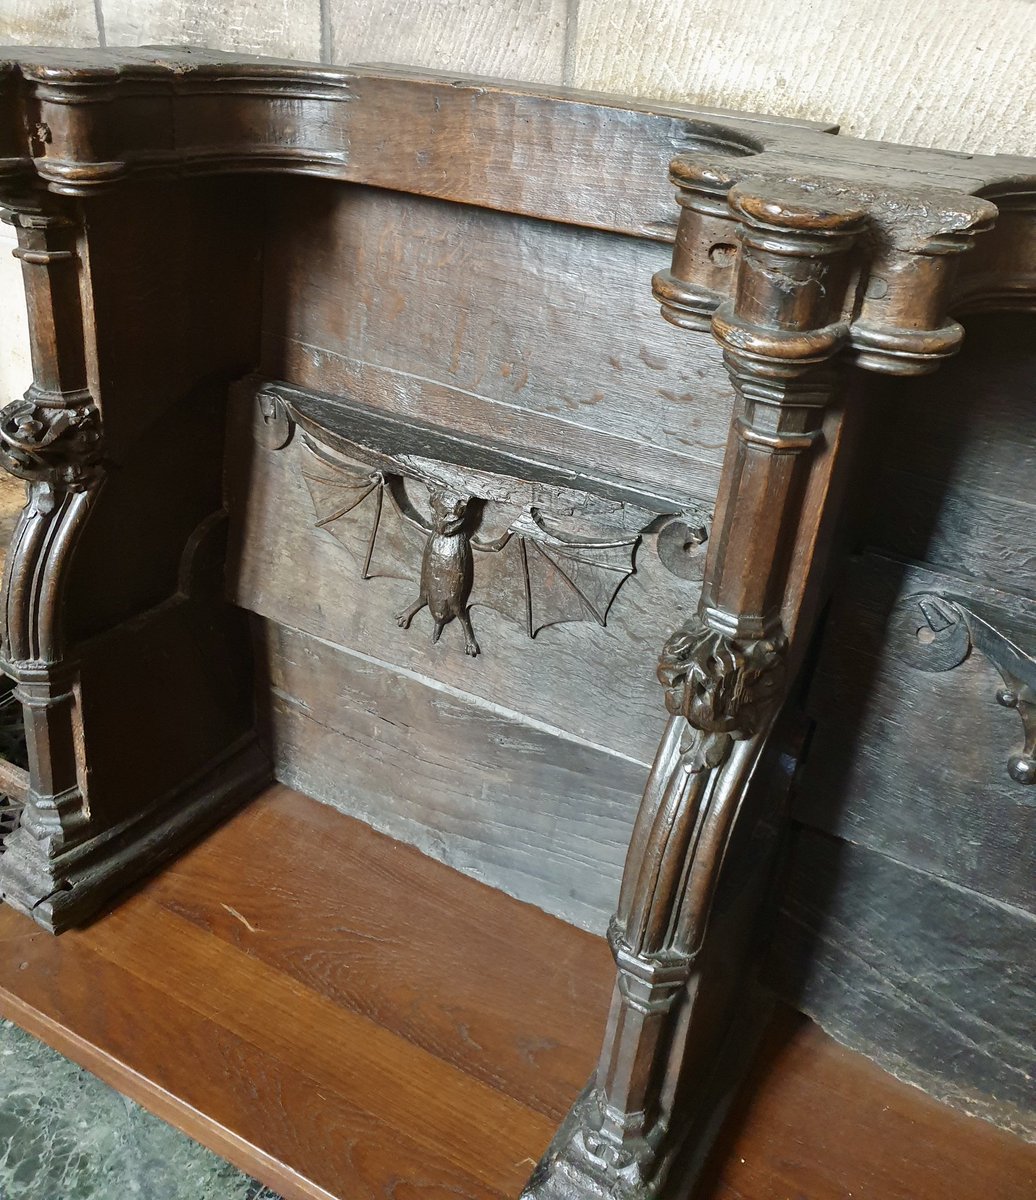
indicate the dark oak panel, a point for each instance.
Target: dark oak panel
{"x":913,"y":763}
{"x":285,"y":569}
{"x":543,"y":817}
{"x":930,"y":980}
{"x":481,"y":322}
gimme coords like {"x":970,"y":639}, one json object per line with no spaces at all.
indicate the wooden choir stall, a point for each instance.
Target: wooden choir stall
{"x":481,"y":459}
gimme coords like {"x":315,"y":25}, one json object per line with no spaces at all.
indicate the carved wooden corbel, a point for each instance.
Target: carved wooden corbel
{"x":794,"y":278}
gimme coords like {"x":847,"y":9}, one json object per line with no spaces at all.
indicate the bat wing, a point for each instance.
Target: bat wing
{"x":540,"y":577}
{"x":366,"y":512}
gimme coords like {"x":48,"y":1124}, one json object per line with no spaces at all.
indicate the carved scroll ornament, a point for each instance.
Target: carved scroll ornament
{"x":937,"y":633}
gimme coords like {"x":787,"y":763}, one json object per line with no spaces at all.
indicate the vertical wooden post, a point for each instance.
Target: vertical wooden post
{"x":51,"y":439}
{"x":723,"y":672}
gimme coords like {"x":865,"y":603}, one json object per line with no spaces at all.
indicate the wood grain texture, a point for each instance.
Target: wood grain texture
{"x":912,"y":763}
{"x":543,"y":817}
{"x":320,"y":1084}
{"x":329,"y":1040}
{"x":514,"y":39}
{"x":930,"y":980}
{"x":815,"y":1122}
{"x":282,"y":28}
{"x":954,"y":487}
{"x":932,"y":83}
{"x":396,"y":299}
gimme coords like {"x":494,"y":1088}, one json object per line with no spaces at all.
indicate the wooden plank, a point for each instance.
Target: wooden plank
{"x":543,"y":817}
{"x":926,"y":978}
{"x":193,"y":972}
{"x":354,"y":955}
{"x":816,"y":1121}
{"x":14,"y":780}
{"x":283,"y":568}
{"x":976,"y":433}
{"x":174,"y":279}
{"x":913,"y":763}
{"x":391,"y":297}
{"x":963,"y":529}
{"x":177,"y":659}
{"x":954,"y":487}
{"x":305,"y":1084}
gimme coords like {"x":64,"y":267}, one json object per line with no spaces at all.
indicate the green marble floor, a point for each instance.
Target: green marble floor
{"x":64,"y":1135}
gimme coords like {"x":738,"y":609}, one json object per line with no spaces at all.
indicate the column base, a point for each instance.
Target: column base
{"x":570,"y":1169}
{"x":573,"y":1168}
{"x":66,"y":889}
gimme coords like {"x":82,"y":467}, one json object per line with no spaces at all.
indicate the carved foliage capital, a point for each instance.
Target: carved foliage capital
{"x":55,"y":443}
{"x":723,"y":686}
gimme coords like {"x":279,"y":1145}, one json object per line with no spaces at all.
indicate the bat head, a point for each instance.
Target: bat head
{"x":449,"y":510}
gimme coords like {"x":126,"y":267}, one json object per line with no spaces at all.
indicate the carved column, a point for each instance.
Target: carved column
{"x":723,"y":671}
{"x":51,"y":439}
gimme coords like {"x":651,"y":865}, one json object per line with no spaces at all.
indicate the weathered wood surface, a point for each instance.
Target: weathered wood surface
{"x":912,"y":763}
{"x":929,"y":979}
{"x":283,"y":568}
{"x":515,"y":803}
{"x":956,"y":485}
{"x":814,"y":1121}
{"x":531,"y":334}
{"x":174,"y":300}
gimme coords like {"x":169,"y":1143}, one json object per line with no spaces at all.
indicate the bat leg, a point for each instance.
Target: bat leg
{"x":470,"y":644}
{"x":404,"y":618}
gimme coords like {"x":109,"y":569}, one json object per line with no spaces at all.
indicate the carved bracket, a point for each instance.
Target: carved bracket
{"x":527,"y":540}
{"x":54,"y":440}
{"x":892,"y":306}
{"x":725,"y":688}
{"x":937,"y":633}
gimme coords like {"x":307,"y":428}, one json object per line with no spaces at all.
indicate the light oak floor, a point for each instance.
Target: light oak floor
{"x":342,"y":1018}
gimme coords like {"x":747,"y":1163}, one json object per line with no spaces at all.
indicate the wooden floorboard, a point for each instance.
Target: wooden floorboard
{"x":345,"y":1018}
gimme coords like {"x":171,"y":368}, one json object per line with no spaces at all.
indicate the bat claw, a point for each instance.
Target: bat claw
{"x":404,"y":618}
{"x":471,"y":648}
